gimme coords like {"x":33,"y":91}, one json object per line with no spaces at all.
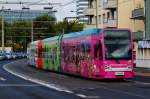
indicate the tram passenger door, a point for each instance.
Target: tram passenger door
{"x":98,"y":56}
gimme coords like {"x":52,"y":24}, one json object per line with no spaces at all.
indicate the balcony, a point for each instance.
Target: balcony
{"x":138,"y":14}
{"x":110,"y":4}
{"x":89,"y":11}
{"x":111,"y":23}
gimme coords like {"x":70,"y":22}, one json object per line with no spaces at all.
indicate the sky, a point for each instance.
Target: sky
{"x":62,"y":11}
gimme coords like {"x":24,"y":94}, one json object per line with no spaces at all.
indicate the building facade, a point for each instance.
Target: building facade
{"x":24,"y":14}
{"x":101,"y":14}
{"x":114,"y":14}
{"x":81,"y":5}
{"x":143,"y":46}
{"x":129,"y":17}
{"x":131,"y":14}
{"x":147,"y":21}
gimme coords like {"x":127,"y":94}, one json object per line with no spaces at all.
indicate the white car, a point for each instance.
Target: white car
{"x":2,"y":56}
{"x":8,"y":55}
{"x":14,"y":56}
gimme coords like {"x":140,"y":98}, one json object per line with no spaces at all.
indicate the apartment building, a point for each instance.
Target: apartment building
{"x":142,"y":47}
{"x":25,"y":14}
{"x":124,"y":14}
{"x":147,"y":20}
{"x":114,"y":14}
{"x":81,"y":5}
{"x":102,"y":14}
{"x":129,"y":15}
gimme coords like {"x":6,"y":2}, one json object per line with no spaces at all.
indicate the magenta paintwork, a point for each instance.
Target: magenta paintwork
{"x":95,"y":68}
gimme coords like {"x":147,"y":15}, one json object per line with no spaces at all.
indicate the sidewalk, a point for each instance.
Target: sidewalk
{"x":142,"y":72}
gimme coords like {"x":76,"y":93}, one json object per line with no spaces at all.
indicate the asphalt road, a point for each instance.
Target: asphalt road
{"x":53,"y":85}
{"x":12,"y":87}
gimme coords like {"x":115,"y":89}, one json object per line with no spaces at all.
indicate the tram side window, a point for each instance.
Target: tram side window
{"x":36,"y":52}
{"x":83,"y":47}
{"x":66,"y":48}
{"x":40,"y":52}
{"x":43,"y":52}
{"x":95,"y":51}
{"x":83,"y":50}
{"x":88,"y":50}
{"x":49,"y":53}
{"x":98,"y":50}
{"x":71,"y":52}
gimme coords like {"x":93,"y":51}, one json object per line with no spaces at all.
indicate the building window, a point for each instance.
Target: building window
{"x":105,"y":1}
{"x":108,"y":16}
{"x":104,"y":18}
{"x":100,"y":19}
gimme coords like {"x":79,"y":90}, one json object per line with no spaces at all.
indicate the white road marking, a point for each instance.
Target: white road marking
{"x":88,"y":97}
{"x":58,"y":88}
{"x":93,"y":97}
{"x":52,"y":86}
{"x":81,"y":95}
{"x":2,"y":78}
{"x":46,"y":84}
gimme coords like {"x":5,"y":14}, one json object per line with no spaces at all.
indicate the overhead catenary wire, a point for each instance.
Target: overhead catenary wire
{"x":58,"y":4}
{"x":28,"y":3}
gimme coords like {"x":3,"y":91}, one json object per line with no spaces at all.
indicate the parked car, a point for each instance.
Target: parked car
{"x":14,"y":56}
{"x":19,"y":55}
{"x":8,"y":55}
{"x":2,"y":56}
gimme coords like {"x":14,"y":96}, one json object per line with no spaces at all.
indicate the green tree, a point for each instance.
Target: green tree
{"x":72,"y":26}
{"x":44,"y":26}
{"x":18,"y":32}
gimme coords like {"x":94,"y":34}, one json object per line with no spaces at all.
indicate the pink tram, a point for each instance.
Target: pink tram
{"x":93,"y":53}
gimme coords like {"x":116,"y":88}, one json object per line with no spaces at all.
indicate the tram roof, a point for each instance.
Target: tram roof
{"x":34,"y":42}
{"x":51,"y":38}
{"x":84,"y":32}
{"x":76,"y":34}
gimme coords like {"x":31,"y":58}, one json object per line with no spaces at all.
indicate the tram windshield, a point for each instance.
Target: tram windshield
{"x":117,"y":45}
